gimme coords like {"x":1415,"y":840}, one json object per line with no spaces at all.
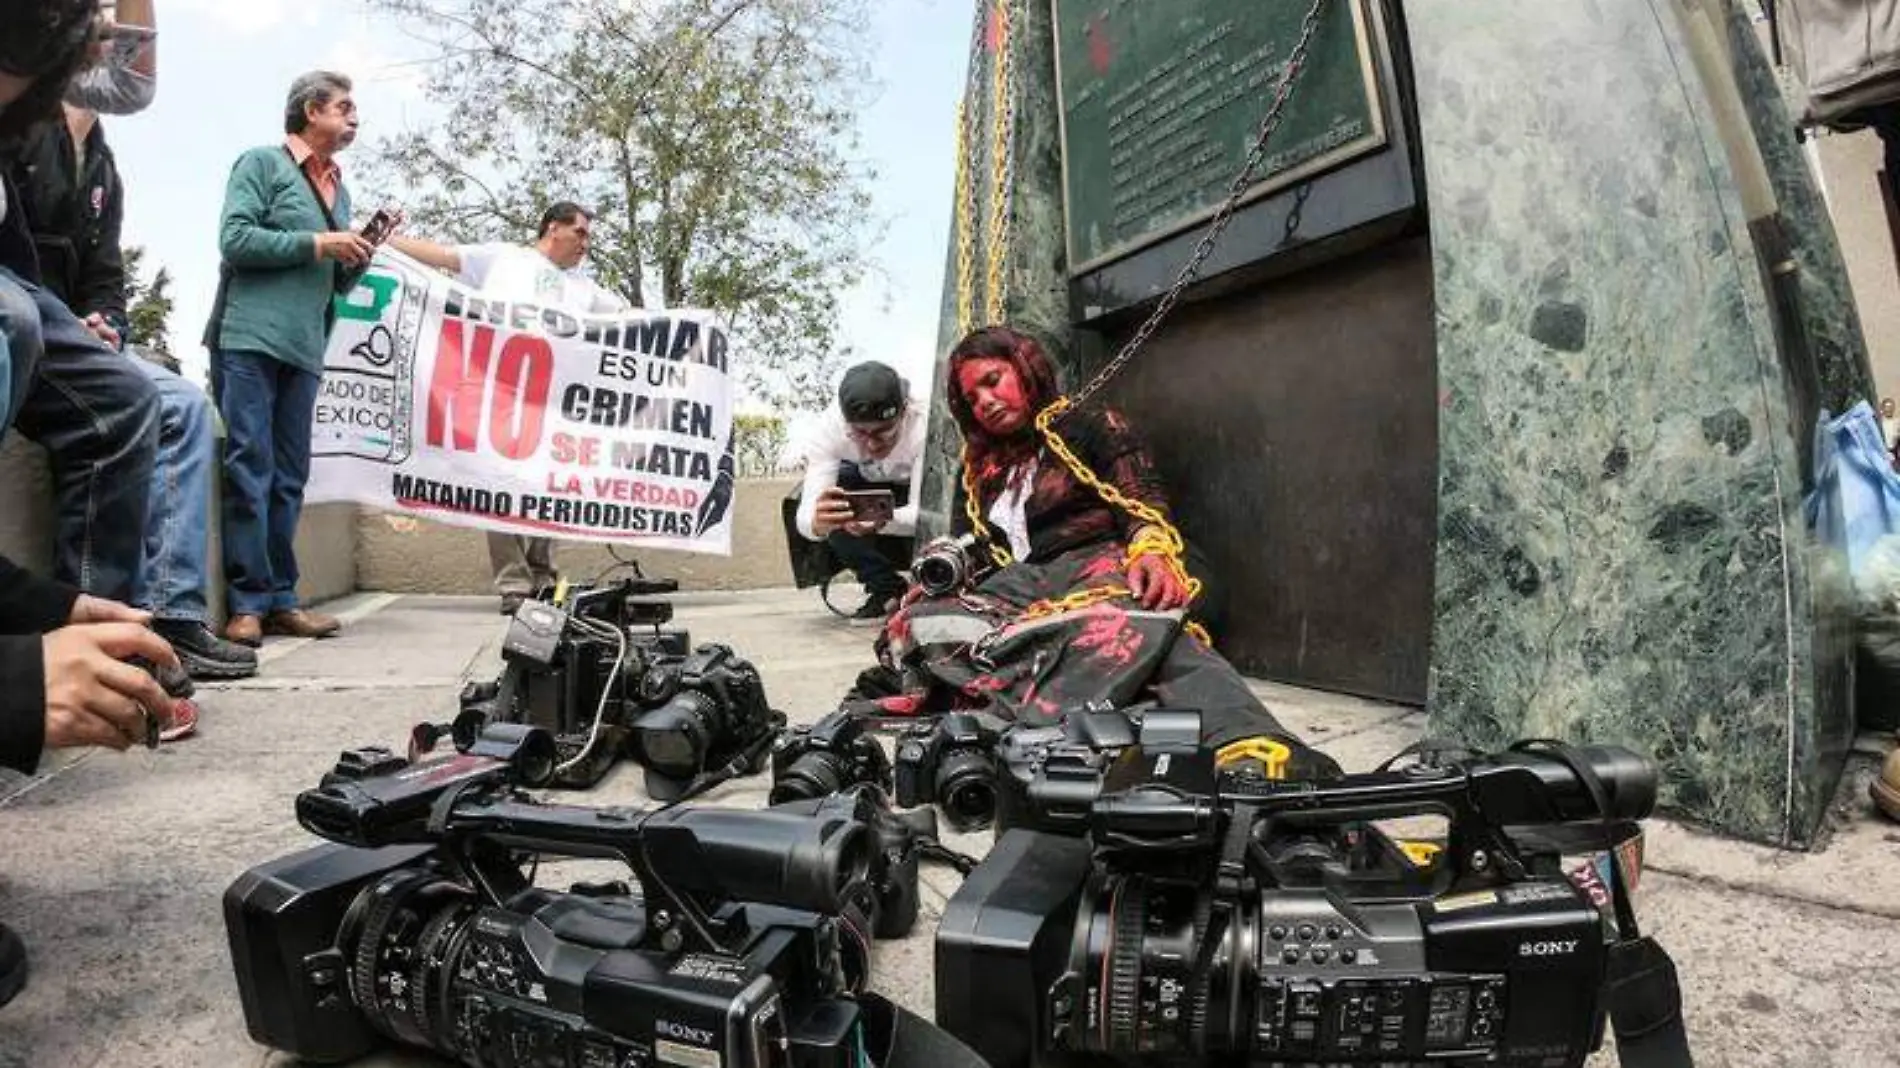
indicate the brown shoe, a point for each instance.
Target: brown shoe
{"x":1886,"y":786}
{"x":298,"y":623}
{"x":244,"y":630}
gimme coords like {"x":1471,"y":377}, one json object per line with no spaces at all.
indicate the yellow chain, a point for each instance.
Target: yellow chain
{"x":997,"y":245}
{"x":1157,"y":537}
{"x":966,"y":229}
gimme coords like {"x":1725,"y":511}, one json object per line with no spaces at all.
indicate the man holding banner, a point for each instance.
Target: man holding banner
{"x":544,"y":273}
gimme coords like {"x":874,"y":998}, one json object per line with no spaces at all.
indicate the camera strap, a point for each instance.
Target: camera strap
{"x":899,"y":1038}
{"x":1640,"y":983}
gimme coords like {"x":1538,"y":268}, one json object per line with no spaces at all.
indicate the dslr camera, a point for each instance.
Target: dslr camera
{"x":1220,"y":917}
{"x":951,"y":763}
{"x":830,"y":756}
{"x":983,"y":771}
{"x":608,"y":679}
{"x":742,"y":943}
{"x":947,"y":565}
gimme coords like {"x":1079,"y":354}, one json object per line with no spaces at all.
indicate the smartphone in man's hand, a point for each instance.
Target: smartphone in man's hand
{"x":871,"y":506}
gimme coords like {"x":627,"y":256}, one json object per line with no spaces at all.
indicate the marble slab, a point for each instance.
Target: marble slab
{"x":1622,"y":555}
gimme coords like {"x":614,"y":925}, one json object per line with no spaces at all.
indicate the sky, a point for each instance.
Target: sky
{"x":224,"y":66}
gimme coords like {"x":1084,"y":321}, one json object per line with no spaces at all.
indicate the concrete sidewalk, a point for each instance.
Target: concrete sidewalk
{"x":112,"y":866}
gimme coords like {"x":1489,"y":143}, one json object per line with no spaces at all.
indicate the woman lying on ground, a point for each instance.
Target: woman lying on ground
{"x":1090,"y":599}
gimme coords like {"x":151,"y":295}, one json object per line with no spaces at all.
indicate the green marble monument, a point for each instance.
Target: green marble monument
{"x":1640,"y":314}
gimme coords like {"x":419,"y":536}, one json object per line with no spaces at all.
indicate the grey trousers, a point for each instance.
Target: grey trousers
{"x":522,"y":565}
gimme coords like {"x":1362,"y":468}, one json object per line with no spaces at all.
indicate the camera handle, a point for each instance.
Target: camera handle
{"x":1644,"y":994}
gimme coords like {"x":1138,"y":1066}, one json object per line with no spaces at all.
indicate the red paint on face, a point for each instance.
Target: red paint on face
{"x":995,"y":394}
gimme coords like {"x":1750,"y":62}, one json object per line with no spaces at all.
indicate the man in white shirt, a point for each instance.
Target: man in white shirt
{"x":874,"y":439}
{"x":545,"y":273}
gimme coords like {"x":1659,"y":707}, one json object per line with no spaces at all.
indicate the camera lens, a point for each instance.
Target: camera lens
{"x":811,"y":776}
{"x":966,"y":789}
{"x":674,"y":738}
{"x":939,"y":573}
{"x":403,"y":939}
{"x":1144,"y":939}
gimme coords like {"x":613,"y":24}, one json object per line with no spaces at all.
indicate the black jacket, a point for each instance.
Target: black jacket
{"x":75,"y":212}
{"x":29,"y":607}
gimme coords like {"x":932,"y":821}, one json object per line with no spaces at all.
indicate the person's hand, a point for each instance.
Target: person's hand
{"x":90,"y":609}
{"x":345,"y":247}
{"x":103,"y":330}
{"x":93,"y":697}
{"x":1155,"y":585}
{"x":832,"y":513}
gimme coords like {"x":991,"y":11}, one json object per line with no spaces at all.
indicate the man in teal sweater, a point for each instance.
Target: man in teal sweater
{"x":287,"y":245}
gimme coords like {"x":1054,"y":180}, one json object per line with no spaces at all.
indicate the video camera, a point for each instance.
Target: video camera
{"x":604,"y":675}
{"x":743,"y":945}
{"x":1211,"y":915}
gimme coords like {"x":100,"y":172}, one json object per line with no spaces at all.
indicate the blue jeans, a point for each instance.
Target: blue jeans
{"x":171,"y":584}
{"x":19,"y":347}
{"x":97,"y":418}
{"x":268,"y":408}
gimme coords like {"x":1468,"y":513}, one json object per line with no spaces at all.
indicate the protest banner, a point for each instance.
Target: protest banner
{"x":444,"y":402}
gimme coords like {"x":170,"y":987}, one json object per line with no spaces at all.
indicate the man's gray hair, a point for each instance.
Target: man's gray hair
{"x":318,"y":87}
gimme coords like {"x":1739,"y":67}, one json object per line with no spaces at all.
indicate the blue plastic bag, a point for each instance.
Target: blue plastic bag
{"x":1855,"y":503}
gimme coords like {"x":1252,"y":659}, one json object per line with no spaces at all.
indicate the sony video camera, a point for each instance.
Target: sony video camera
{"x":1224,"y":918}
{"x":947,"y":565}
{"x":830,"y":756}
{"x":741,"y":944}
{"x":604,"y":675}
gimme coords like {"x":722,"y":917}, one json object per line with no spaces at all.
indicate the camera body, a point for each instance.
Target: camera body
{"x":1210,"y":916}
{"x":583,"y":671}
{"x":827,"y":757}
{"x":947,"y":565}
{"x":951,"y":763}
{"x":708,"y":714}
{"x":414,"y":924}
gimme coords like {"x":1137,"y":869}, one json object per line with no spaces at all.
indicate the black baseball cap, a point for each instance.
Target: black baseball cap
{"x":871,"y":393}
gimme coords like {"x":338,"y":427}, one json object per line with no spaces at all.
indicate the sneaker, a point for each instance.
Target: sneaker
{"x":204,"y":654}
{"x":12,"y":964}
{"x":875,"y":609}
{"x":184,"y":721}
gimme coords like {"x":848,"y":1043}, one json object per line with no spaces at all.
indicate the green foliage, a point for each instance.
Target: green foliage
{"x":714,"y":139}
{"x":757,"y":442}
{"x":148,"y":306}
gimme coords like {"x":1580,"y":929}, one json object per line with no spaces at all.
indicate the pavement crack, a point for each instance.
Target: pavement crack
{"x":1769,"y":892}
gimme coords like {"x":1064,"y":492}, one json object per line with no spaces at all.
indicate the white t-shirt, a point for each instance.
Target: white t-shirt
{"x":832,"y":445}
{"x":522,"y":273}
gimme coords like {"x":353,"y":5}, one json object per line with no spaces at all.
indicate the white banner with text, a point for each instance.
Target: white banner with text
{"x":447,"y":403}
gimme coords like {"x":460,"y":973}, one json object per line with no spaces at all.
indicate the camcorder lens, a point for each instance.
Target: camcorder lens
{"x":1144,"y":956}
{"x":403,"y":939}
{"x":967,"y":789}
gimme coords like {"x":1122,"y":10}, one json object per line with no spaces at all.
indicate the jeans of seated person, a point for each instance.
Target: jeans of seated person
{"x":269,"y":408}
{"x":19,"y":347}
{"x":171,"y":584}
{"x":97,"y":418}
{"x":860,"y":555}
